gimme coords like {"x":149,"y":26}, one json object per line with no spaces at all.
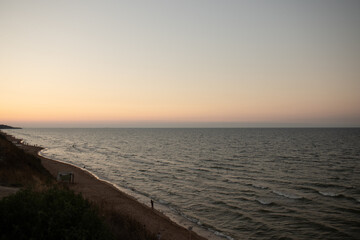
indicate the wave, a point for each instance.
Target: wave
{"x":329,"y":194}
{"x":351,"y":198}
{"x":223,"y":235}
{"x":339,"y":195}
{"x":329,"y":185}
{"x":264,"y":202}
{"x":258,"y":186}
{"x":287,"y":195}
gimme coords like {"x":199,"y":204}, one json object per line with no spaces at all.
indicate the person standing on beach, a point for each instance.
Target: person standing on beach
{"x":152,"y":204}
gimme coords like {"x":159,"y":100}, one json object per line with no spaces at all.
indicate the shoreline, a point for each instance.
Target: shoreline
{"x":108,"y":194}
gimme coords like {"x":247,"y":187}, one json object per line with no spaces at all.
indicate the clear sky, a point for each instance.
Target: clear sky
{"x":180,"y":63}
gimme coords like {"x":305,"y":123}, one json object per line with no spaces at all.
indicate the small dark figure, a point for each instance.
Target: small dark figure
{"x":152,"y":204}
{"x":159,"y":236}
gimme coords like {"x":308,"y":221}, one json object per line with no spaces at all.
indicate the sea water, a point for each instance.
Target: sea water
{"x":234,"y":183}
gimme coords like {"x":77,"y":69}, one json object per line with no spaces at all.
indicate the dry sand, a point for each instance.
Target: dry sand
{"x":106,"y":194}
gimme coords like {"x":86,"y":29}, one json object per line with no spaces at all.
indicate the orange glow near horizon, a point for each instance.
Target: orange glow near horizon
{"x":162,"y":114}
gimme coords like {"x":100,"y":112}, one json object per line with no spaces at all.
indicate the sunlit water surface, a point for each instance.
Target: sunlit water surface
{"x":235,"y":183}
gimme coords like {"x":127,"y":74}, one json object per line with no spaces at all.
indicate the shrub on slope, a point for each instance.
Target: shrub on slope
{"x":51,"y":214}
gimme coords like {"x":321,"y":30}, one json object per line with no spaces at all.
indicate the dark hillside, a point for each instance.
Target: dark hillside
{"x":2,"y":126}
{"x":18,"y":168}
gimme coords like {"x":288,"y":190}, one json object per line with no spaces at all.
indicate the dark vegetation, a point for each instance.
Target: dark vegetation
{"x":19,"y":169}
{"x":50,"y":214}
{"x":2,"y":126}
{"x":43,"y":209}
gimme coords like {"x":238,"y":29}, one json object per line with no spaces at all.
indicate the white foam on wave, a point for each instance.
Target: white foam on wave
{"x":223,"y":235}
{"x":287,"y":195}
{"x":329,"y":194}
{"x":264,"y":202}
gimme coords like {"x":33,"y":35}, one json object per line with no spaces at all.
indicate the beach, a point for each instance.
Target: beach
{"x":105,"y":194}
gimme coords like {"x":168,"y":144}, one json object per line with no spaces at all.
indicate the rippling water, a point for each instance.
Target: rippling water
{"x":237,"y":183}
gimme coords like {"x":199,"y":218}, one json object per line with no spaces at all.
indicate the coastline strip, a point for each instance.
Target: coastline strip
{"x":106,"y":194}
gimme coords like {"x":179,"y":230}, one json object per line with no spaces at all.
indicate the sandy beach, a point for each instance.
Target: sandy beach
{"x":105,"y":194}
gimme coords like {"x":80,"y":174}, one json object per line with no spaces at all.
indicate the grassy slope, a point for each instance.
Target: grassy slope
{"x":20,"y":169}
{"x":50,"y":214}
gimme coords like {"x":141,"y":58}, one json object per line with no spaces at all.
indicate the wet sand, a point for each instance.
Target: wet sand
{"x":105,"y":194}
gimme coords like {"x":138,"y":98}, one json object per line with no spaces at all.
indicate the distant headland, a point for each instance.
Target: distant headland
{"x":2,"y":126}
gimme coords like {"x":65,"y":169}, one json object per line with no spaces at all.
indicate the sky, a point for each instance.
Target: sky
{"x":188,"y":63}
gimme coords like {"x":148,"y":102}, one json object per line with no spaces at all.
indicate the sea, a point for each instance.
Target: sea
{"x":241,"y":183}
